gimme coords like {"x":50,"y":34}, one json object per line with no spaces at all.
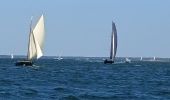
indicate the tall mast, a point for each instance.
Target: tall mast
{"x":111,"y":47}
{"x":28,"y":53}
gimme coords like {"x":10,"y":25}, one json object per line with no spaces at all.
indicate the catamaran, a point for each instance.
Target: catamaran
{"x":113,"y":48}
{"x":35,"y":44}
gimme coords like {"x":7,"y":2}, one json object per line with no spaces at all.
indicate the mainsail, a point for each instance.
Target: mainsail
{"x":36,"y":39}
{"x":113,"y":42}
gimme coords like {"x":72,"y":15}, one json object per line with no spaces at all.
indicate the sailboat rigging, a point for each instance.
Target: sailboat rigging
{"x":35,"y":43}
{"x":113,"y":48}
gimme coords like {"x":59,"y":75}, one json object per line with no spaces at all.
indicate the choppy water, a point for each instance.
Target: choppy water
{"x":85,"y":79}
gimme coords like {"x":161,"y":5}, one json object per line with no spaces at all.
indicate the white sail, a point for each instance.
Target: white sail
{"x":36,"y":40}
{"x":113,"y":42}
{"x":12,"y":56}
{"x":141,"y":58}
{"x":39,"y":31}
{"x":38,"y":50}
{"x":31,"y":47}
{"x":154,"y":58}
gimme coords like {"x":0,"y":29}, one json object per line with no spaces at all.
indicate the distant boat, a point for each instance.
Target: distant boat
{"x":141,"y":58}
{"x":154,"y":58}
{"x":59,"y":58}
{"x":12,"y":56}
{"x":35,"y":44}
{"x":127,"y":60}
{"x":113,"y":48}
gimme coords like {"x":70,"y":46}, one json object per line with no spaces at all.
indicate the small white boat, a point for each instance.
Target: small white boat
{"x":141,"y":58}
{"x":59,"y":58}
{"x":127,"y":60}
{"x":12,"y":56}
{"x":154,"y":58}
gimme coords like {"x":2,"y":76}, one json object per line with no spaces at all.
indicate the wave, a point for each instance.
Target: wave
{"x":5,"y":94}
{"x":98,"y":97}
{"x":28,"y":92}
{"x":61,"y":89}
{"x":70,"y":97}
{"x":6,"y":82}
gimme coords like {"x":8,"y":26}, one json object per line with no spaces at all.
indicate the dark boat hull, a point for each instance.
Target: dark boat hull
{"x":108,"y":61}
{"x":24,"y":63}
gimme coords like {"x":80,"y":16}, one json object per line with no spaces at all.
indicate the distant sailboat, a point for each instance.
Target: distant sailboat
{"x":35,"y":44}
{"x":154,"y":58}
{"x":59,"y":58}
{"x":12,"y":56}
{"x":127,"y":60}
{"x":141,"y":58}
{"x":113,"y":48}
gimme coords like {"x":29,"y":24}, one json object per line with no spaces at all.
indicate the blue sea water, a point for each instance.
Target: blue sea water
{"x":82,"y":78}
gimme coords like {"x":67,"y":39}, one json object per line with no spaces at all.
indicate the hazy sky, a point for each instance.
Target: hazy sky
{"x":83,"y":27}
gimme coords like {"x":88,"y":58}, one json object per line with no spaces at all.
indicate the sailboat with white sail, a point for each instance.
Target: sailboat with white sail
{"x":113,"y":48}
{"x":35,"y":44}
{"x":12,"y":56}
{"x":141,"y":58}
{"x":154,"y":58}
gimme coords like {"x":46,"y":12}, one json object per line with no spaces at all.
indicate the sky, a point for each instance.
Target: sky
{"x":83,"y":27}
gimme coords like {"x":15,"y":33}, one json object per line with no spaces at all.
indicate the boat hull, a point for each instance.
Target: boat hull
{"x":108,"y":61}
{"x":24,"y":63}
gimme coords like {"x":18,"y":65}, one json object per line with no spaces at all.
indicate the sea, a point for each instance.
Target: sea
{"x":85,"y":78}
